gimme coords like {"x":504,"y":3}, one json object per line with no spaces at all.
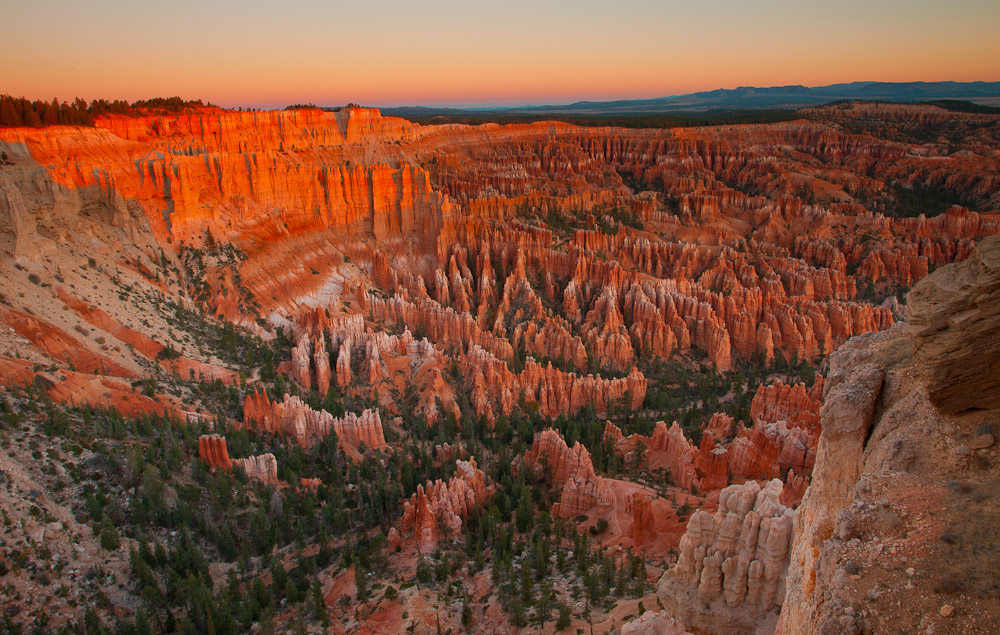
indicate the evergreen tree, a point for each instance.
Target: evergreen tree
{"x":466,"y":615}
{"x":110,"y":540}
{"x":565,"y":617}
{"x":525,"y":510}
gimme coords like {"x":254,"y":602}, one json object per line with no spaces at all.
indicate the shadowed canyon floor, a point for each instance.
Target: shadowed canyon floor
{"x":336,"y":372}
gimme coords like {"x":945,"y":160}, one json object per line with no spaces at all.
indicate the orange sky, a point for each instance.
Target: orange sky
{"x":270,"y":54}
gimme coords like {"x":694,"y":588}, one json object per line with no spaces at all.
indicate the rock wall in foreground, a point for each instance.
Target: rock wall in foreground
{"x":902,"y":486}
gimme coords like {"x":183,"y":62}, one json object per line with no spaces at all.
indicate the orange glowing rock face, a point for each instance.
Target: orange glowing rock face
{"x":487,"y":252}
{"x":781,"y":443}
{"x":229,"y":172}
{"x":304,"y":191}
{"x":212,"y":449}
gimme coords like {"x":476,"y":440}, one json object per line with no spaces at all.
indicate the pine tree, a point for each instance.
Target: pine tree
{"x":360,"y":582}
{"x":110,"y":540}
{"x":91,"y":623}
{"x":525,"y":510}
{"x":423,"y":571}
{"x":517,"y":614}
{"x":466,"y":615}
{"x":565,"y":617}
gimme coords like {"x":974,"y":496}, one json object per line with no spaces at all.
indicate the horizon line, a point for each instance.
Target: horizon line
{"x":474,"y":104}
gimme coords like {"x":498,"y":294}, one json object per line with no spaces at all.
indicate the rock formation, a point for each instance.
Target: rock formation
{"x":439,"y":507}
{"x":263,"y":467}
{"x":732,"y":564}
{"x":60,"y":345}
{"x":955,"y":315}
{"x":890,"y":446}
{"x":570,"y":470}
{"x":420,"y":238}
{"x":796,"y":405}
{"x":212,"y":450}
{"x":650,"y":623}
{"x":293,"y":417}
{"x":651,"y":517}
{"x":555,"y":391}
{"x":540,"y":266}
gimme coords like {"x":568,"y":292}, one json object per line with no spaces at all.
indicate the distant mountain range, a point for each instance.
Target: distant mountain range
{"x":749,"y":98}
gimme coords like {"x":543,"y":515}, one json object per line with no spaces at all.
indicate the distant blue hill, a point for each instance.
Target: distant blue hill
{"x":749,"y":97}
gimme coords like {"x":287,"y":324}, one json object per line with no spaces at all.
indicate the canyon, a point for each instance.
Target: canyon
{"x":723,"y":352}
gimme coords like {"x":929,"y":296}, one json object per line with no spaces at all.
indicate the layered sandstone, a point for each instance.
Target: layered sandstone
{"x":60,"y":345}
{"x":782,"y":440}
{"x":734,"y":275}
{"x":703,"y":467}
{"x":263,"y":467}
{"x":371,"y":360}
{"x":205,"y":165}
{"x":795,"y":404}
{"x":86,"y":389}
{"x":503,"y":245}
{"x":651,"y":518}
{"x":212,"y":449}
{"x":494,"y":387}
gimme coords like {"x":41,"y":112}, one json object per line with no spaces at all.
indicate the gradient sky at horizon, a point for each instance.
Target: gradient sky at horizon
{"x":263,"y":53}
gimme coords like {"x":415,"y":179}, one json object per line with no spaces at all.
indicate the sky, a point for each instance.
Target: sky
{"x":259,"y":53}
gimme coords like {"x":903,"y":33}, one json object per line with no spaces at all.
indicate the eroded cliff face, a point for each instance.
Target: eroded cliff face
{"x":503,"y":237}
{"x":892,"y":533}
{"x":456,"y":275}
{"x":780,"y":443}
{"x":955,"y":319}
{"x":235,"y":175}
{"x":571,"y":472}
